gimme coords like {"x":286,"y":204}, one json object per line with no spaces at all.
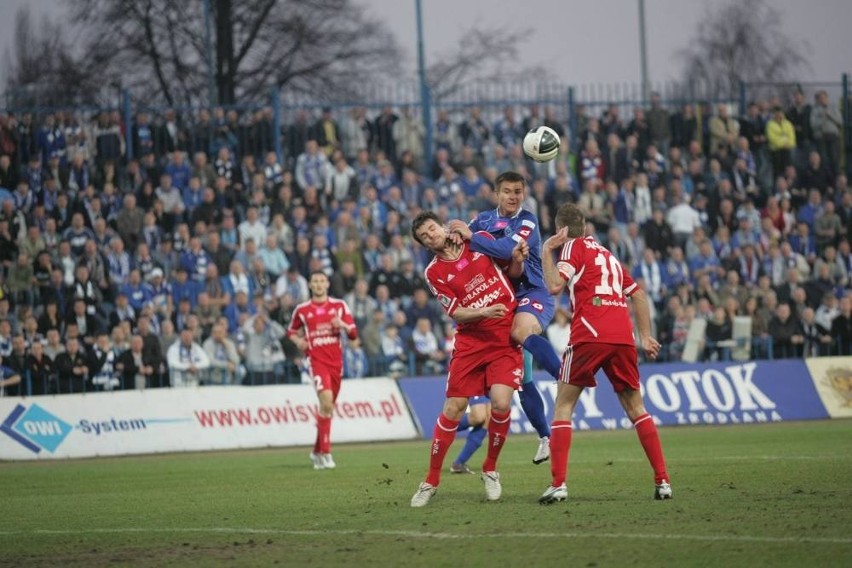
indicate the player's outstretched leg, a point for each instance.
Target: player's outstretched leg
{"x":533,"y":406}
{"x":498,"y":430}
{"x":560,"y":444}
{"x":474,"y":440}
{"x":544,"y":354}
{"x":649,"y":437}
{"x":442,"y":438}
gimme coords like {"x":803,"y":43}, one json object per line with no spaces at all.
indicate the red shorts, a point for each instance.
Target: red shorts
{"x":325,"y":378}
{"x":472,"y":373}
{"x":620,"y":363}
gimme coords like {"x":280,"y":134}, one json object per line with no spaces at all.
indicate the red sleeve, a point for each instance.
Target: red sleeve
{"x":629,"y":285}
{"x":446,"y":297}
{"x":349,"y":321}
{"x":295,"y":322}
{"x":570,"y":259}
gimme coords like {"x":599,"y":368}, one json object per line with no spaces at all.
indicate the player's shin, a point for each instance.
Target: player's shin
{"x":544,"y":354}
{"x":324,"y":434}
{"x":531,"y":400}
{"x":650,"y":440}
{"x":471,"y":444}
{"x":498,"y":430}
{"x":560,"y":446}
{"x":442,"y":438}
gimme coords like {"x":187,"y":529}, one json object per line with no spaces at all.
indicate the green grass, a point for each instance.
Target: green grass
{"x":760,"y":495}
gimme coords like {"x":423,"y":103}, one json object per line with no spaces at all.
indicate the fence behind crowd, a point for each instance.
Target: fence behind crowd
{"x":263,"y":126}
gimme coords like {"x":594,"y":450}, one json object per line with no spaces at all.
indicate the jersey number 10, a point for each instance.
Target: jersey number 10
{"x":611,"y":276}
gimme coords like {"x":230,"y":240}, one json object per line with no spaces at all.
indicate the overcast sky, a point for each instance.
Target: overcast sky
{"x":585,"y":41}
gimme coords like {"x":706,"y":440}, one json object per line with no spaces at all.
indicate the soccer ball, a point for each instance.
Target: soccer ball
{"x":541,"y":144}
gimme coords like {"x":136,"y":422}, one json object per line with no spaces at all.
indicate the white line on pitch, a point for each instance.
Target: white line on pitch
{"x":447,"y":536}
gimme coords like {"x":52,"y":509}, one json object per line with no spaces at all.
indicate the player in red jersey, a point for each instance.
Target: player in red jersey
{"x":601,"y":337}
{"x":476,"y":293}
{"x":315,"y":329}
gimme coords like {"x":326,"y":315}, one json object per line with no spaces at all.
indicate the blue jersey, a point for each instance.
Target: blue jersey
{"x":507,"y":232}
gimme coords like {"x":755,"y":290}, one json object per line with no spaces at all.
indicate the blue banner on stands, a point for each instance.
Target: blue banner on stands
{"x":674,"y":393}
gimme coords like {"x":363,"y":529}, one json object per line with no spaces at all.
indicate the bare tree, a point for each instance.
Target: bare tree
{"x":158,"y":47}
{"x":743,"y":40}
{"x":483,"y":56}
{"x":41,"y":70}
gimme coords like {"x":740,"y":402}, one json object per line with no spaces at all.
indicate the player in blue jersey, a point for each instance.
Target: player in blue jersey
{"x":476,"y":421}
{"x":509,"y":224}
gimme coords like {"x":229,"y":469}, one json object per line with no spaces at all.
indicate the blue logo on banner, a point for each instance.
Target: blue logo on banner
{"x":674,"y":393}
{"x":35,"y":428}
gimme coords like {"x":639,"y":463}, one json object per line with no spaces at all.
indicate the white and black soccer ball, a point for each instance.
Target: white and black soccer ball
{"x":541,"y":144}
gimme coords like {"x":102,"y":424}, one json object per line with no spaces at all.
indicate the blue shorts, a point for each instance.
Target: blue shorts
{"x":539,"y":303}
{"x":474,"y":400}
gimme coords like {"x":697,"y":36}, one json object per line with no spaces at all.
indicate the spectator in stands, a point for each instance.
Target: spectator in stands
{"x":223,"y":356}
{"x":816,"y":340}
{"x":187,"y":361}
{"x":102,"y":364}
{"x":429,"y":359}
{"x":786,"y":333}
{"x":393,"y":350}
{"x":10,"y":380}
{"x":72,"y":368}
{"x":781,"y":139}
{"x":355,"y":362}
{"x":826,"y":124}
{"x":841,"y":327}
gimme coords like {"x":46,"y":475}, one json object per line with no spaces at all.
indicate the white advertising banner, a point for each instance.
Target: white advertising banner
{"x":833,"y":379}
{"x":195,"y":419}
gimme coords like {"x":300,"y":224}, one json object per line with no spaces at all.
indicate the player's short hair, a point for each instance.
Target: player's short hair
{"x":318,"y":271}
{"x":508,"y":176}
{"x":571,"y":217}
{"x":418,"y":222}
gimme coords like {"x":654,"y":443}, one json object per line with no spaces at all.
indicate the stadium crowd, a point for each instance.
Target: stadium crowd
{"x":182,"y":265}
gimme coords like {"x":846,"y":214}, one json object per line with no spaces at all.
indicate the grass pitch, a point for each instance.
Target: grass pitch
{"x":758,"y":495}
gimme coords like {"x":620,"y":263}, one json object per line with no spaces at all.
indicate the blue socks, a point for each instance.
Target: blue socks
{"x":464,"y":423}
{"x":474,"y":439}
{"x":544,"y":354}
{"x":531,"y":400}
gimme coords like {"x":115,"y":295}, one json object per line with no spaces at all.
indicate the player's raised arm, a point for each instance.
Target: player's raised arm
{"x":519,"y":254}
{"x":552,"y":277}
{"x":643,"y":322}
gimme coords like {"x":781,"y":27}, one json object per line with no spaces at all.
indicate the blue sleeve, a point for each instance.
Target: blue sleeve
{"x":496,"y":248}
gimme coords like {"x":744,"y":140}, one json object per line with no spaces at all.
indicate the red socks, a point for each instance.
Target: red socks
{"x":442,"y":438}
{"x":498,"y":430}
{"x":560,"y":445}
{"x":323,"y":443}
{"x":650,"y":440}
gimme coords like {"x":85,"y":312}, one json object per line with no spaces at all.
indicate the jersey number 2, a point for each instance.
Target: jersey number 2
{"x":611,"y":276}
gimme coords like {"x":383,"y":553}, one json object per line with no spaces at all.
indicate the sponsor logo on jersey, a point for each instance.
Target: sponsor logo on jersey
{"x":474,"y":282}
{"x":482,"y":287}
{"x":596,"y":301}
{"x":462,"y":263}
{"x":500,"y":224}
{"x":485,"y":300}
{"x":450,"y":277}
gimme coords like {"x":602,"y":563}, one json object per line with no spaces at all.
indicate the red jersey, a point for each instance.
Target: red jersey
{"x":324,"y":346}
{"x":473,"y":280}
{"x":599,"y":287}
